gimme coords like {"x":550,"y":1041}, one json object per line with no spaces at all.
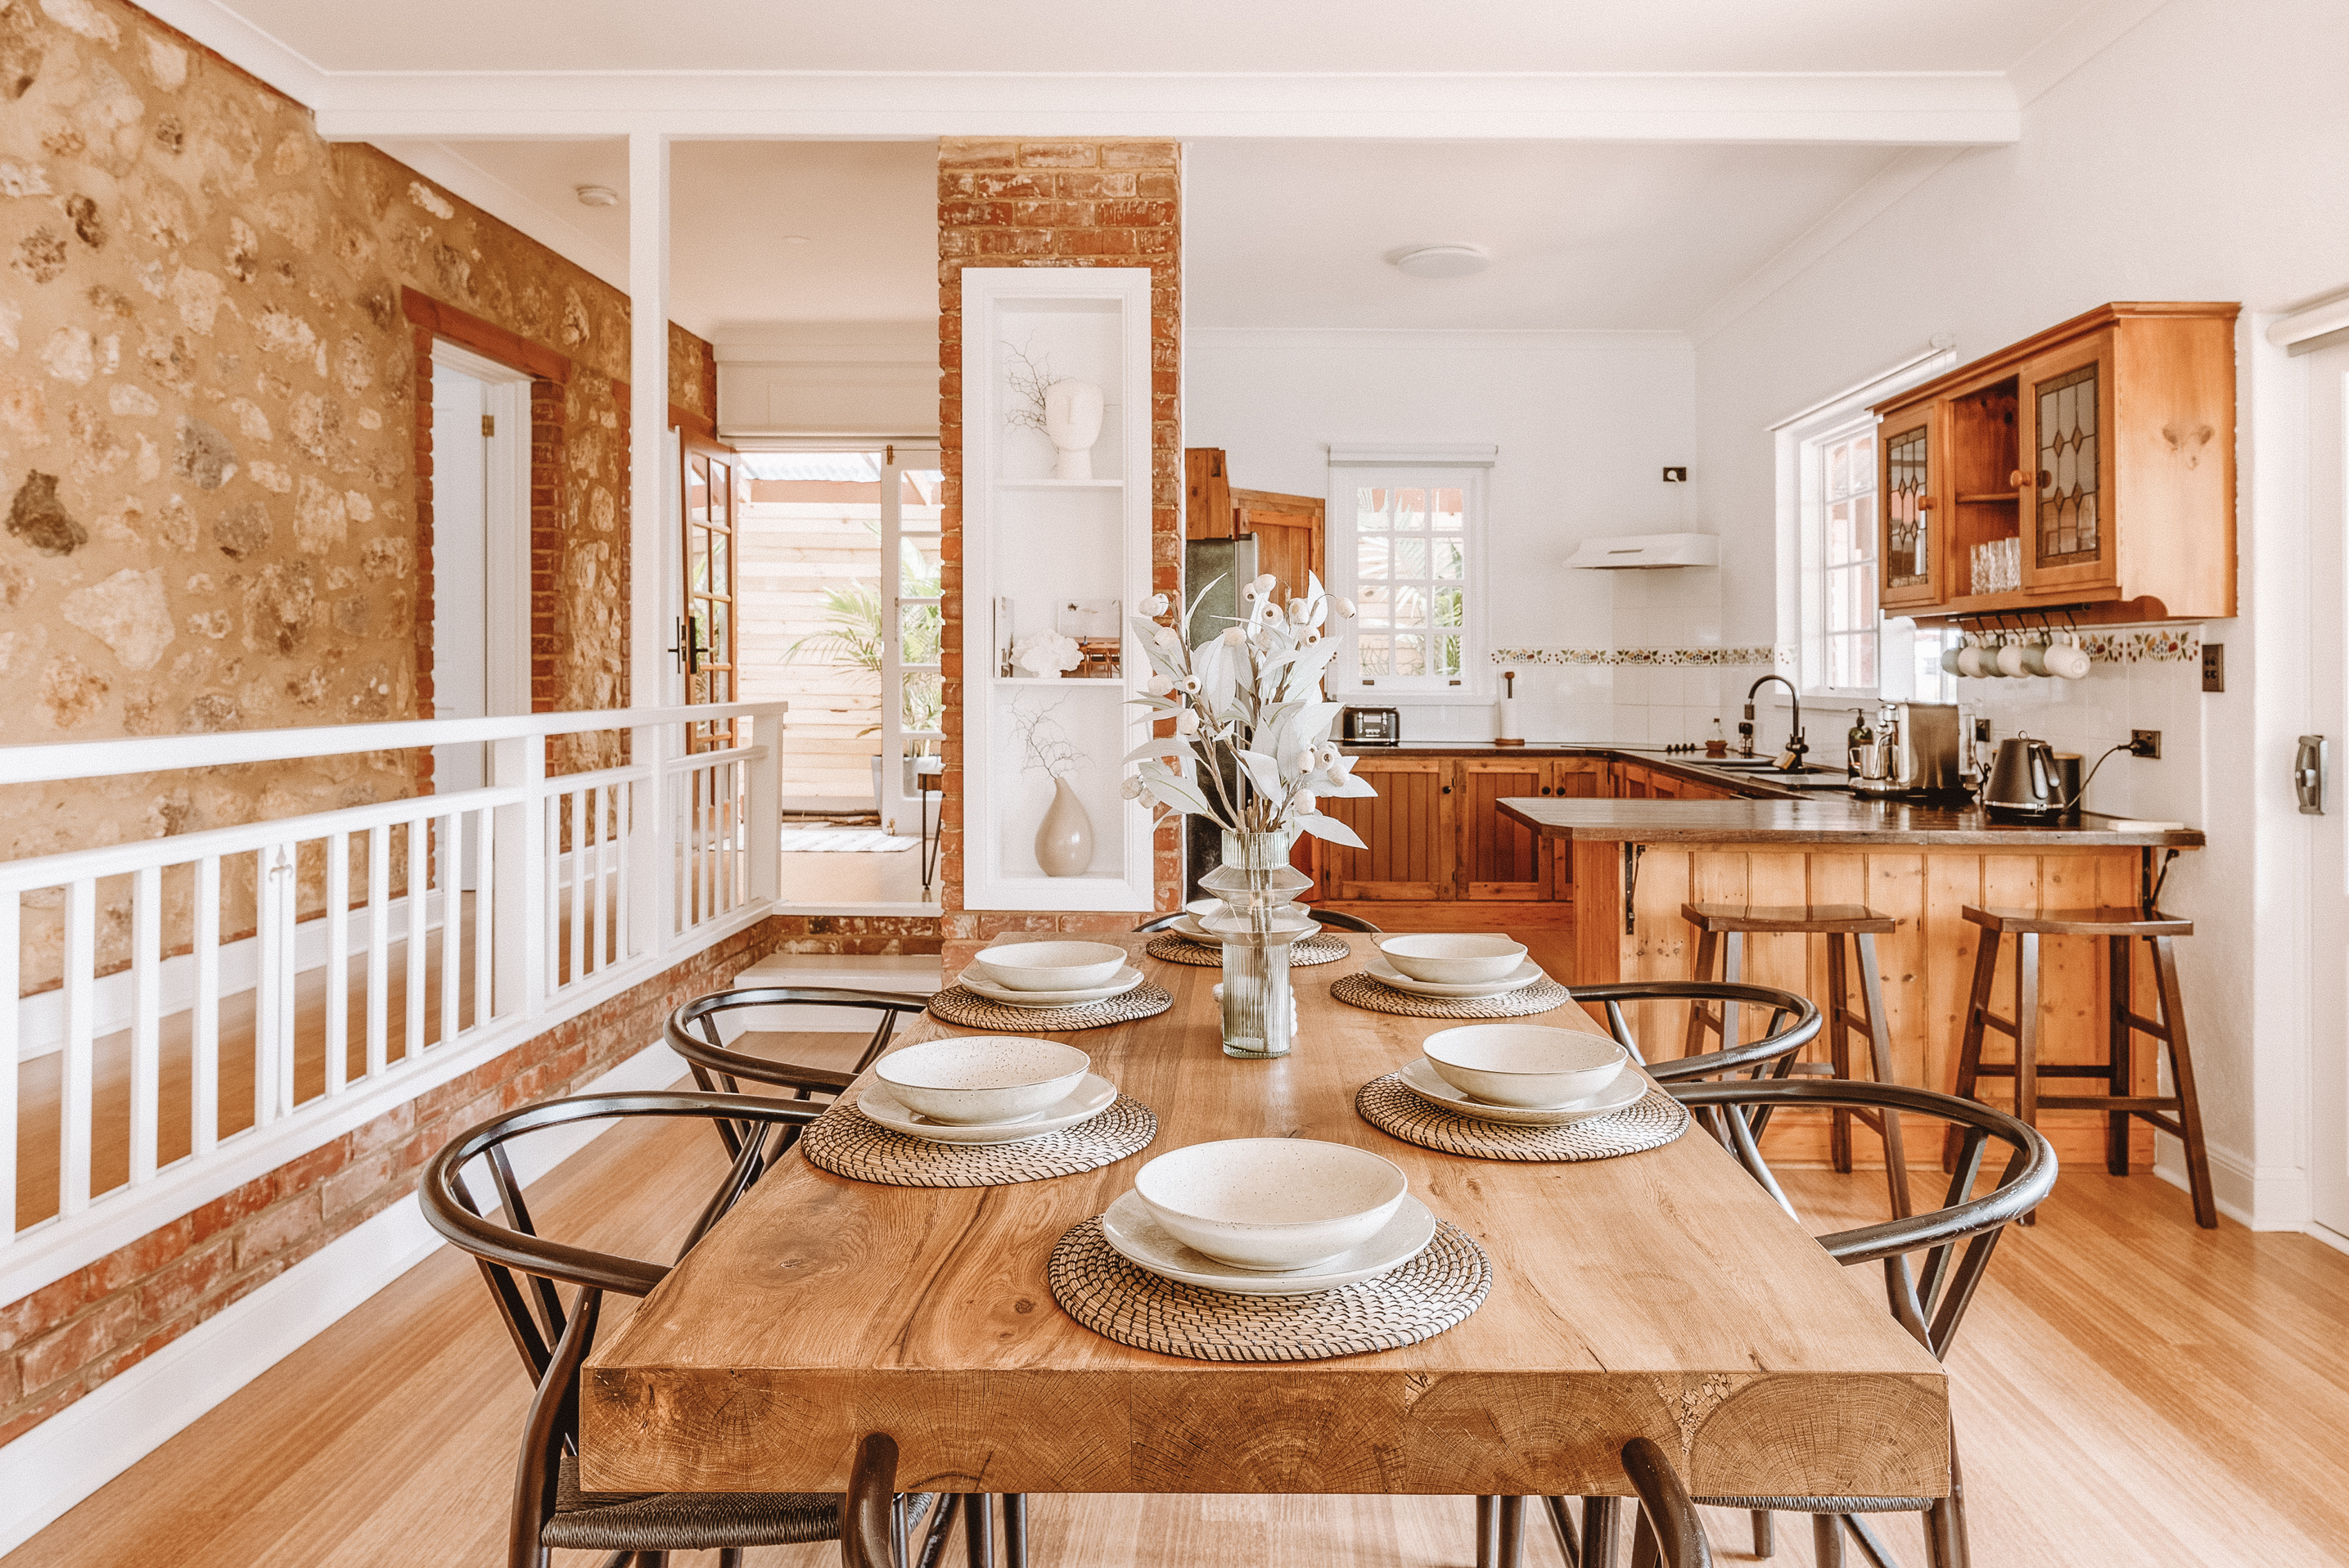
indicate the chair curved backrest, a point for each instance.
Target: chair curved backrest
{"x":512,"y":1252}
{"x":1795,"y":1022}
{"x":1669,"y":1524}
{"x":1338,"y":920}
{"x":1932,"y":1304}
{"x":1160,"y":922}
{"x":692,"y":1033}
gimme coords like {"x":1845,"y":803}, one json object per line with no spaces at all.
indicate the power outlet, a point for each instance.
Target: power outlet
{"x":1676,"y":476}
{"x":2145,"y":743}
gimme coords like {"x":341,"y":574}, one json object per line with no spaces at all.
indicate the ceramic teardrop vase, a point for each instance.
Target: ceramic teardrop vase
{"x":1064,"y":841}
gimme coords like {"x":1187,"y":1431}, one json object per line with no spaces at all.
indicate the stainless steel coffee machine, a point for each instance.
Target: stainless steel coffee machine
{"x":1914,"y":754}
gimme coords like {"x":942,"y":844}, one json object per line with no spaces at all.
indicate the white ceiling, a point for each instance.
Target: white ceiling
{"x":1126,"y":36}
{"x":1605,"y":236}
{"x":868,"y":211}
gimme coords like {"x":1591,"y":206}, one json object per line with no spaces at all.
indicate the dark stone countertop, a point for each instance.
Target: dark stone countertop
{"x":1819,"y":820}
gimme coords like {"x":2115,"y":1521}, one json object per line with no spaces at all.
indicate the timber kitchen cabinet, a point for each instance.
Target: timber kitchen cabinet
{"x":1411,"y":829}
{"x":2101,"y":452}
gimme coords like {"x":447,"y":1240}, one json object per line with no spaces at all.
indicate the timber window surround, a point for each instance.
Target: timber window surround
{"x":1408,"y":545}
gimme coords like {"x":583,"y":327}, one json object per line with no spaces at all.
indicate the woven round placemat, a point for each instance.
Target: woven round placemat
{"x":847,"y":1142}
{"x":1649,"y":1123}
{"x":1359,"y":990}
{"x":960,"y":1004}
{"x":1176,"y":948}
{"x":1123,"y":1300}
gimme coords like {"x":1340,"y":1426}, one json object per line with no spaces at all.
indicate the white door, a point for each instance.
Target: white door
{"x":912,"y":678}
{"x":480,"y":618}
{"x":2327,"y":371}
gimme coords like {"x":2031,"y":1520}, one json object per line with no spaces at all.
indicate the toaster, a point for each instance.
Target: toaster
{"x":1371,"y":726}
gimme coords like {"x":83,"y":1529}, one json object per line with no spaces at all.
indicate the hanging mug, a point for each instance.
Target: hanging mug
{"x":1970,"y":657}
{"x":1949,"y":659}
{"x":2069,"y":661}
{"x":2010,"y":660}
{"x":2034,"y":656}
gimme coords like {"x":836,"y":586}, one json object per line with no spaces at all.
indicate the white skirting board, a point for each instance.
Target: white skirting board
{"x":68,"y":1456}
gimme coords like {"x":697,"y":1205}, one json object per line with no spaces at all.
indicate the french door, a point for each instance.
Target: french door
{"x":2328,"y":530}
{"x":714,"y":489}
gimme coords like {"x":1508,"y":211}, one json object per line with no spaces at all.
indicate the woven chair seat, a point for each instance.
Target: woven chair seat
{"x":692,"y":1521}
{"x":1825,"y":1504}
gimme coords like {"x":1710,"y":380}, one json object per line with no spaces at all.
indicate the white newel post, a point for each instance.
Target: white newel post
{"x":653,"y":868}
{"x":764,"y":802}
{"x":517,"y":877}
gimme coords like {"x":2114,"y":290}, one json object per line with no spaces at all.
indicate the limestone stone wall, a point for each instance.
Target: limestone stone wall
{"x":209,"y":461}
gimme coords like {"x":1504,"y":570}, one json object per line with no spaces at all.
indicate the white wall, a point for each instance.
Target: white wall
{"x":1585,"y":422}
{"x":2198,"y":158}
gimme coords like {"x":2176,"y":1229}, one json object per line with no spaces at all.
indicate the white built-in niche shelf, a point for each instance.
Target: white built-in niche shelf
{"x":1036,"y":548}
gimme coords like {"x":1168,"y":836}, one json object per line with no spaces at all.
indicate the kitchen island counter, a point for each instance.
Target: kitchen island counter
{"x":1833,"y":819}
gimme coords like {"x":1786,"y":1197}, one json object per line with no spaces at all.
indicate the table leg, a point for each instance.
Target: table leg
{"x":978,"y":1529}
{"x":1598,"y":1532}
{"x":1512,"y":1553}
{"x":1015,"y":1529}
{"x":1484,"y":1522}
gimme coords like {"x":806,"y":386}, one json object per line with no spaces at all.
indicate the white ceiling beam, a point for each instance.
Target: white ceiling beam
{"x":1950,"y":109}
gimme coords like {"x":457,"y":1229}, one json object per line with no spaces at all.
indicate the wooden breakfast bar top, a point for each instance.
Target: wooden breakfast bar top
{"x":1660,"y":1294}
{"x":1831,"y":820}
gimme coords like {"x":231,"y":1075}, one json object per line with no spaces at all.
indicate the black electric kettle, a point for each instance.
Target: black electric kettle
{"x":2025,"y":785}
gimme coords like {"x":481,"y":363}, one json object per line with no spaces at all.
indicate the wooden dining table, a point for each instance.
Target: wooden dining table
{"x":1659,"y":1294}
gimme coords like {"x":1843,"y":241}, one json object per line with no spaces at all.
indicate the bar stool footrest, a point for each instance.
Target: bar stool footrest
{"x":2135,"y":1104}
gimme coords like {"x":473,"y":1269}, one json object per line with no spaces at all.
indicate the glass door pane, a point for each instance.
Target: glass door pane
{"x":913,"y":716}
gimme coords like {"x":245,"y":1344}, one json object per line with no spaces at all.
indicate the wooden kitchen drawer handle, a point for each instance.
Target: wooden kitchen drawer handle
{"x":2014,"y":479}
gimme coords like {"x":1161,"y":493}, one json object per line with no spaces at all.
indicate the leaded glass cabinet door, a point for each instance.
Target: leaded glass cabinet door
{"x":2065,"y":426}
{"x":1914,"y":513}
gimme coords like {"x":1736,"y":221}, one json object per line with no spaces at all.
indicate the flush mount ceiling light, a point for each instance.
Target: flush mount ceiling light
{"x":1442,"y":261}
{"x":797,"y":240}
{"x":596,"y":195}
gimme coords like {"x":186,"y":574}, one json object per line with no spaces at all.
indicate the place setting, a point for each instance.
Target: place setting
{"x":1269,"y":1249}
{"x":1466,"y":974}
{"x":978,"y":1111}
{"x":1196,"y":940}
{"x":1523,"y":1091}
{"x":1049,"y":988}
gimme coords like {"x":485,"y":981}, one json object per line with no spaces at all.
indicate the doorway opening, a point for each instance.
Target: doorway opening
{"x":480,"y":562}
{"x":838,"y":614}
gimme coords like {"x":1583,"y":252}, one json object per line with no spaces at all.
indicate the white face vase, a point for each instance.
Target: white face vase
{"x":1073,"y":422}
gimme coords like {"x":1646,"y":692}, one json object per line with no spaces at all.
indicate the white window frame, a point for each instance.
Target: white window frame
{"x":1801,"y":442}
{"x":1462,"y":467}
{"x":1816,"y":599}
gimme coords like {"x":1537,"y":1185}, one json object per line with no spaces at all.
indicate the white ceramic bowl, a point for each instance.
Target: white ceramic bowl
{"x":1271,"y":1203}
{"x":982,"y":1079}
{"x":1053,"y":965}
{"x":1463,"y":960}
{"x":1528,"y":1065}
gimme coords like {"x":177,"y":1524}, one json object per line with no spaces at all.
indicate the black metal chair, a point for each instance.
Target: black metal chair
{"x":1331,"y":919}
{"x":550,"y":1511}
{"x":692,"y":1033}
{"x":1795,"y":1022}
{"x":1930,"y":1303}
{"x":1669,"y":1531}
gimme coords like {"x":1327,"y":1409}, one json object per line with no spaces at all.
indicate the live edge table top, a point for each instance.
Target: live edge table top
{"x":1659,"y":1295}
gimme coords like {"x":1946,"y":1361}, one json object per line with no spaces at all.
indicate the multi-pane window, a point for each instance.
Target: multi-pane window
{"x":1846,"y":561}
{"x":1410,"y":560}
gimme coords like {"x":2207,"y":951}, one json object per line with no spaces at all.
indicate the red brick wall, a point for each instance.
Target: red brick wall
{"x":68,"y":1337}
{"x":1116,"y":203}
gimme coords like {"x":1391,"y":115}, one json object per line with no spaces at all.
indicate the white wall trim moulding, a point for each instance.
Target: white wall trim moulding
{"x":66,"y":1458}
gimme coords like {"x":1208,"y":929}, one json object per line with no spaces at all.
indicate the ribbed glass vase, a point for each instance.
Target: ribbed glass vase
{"x":1260,"y":887}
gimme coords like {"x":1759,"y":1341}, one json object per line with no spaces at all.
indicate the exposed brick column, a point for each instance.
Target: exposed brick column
{"x":1001,"y":204}
{"x":546,"y":429}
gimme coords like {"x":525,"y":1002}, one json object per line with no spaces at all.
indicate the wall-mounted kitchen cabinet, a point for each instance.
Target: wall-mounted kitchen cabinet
{"x":1046,"y":551}
{"x":2090,"y":469}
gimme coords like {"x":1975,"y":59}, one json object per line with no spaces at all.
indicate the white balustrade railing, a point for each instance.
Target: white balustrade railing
{"x":205,"y":1007}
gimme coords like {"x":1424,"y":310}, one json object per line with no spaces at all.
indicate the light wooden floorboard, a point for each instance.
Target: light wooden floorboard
{"x":2129,"y":1390}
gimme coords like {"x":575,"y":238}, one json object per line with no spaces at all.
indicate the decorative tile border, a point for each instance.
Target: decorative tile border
{"x":1712,"y":657}
{"x":2165,"y":646}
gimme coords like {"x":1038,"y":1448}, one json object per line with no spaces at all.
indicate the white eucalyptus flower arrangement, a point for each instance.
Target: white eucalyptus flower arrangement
{"x":1246,"y":702}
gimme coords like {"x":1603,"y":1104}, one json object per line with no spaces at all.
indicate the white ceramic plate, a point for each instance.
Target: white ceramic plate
{"x":1625,"y":1092}
{"x":1139,"y":1238}
{"x":1189,"y":927}
{"x":1386,"y":973}
{"x":972,"y":980}
{"x":1094,"y":1095}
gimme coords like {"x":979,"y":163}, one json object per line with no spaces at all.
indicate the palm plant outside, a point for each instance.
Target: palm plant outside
{"x":854,"y":619}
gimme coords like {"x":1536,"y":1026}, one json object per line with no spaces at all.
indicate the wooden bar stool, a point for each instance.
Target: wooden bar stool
{"x":2123,"y":1024}
{"x":1723,"y":928}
